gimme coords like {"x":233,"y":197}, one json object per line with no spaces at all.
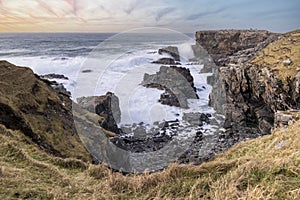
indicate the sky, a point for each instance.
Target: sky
{"x":122,"y":15}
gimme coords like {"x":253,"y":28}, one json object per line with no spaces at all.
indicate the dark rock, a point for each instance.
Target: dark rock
{"x":166,"y":61}
{"x":54,"y":76}
{"x":147,"y":141}
{"x":247,"y":93}
{"x":196,"y":118}
{"x":86,"y":71}
{"x":176,"y":92}
{"x":172,"y":51}
{"x":169,"y":98}
{"x":106,"y":106}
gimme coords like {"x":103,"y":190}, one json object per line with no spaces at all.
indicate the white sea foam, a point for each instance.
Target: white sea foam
{"x":122,"y":73}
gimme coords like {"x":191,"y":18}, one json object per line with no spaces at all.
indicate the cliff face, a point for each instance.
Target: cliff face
{"x":252,"y":82}
{"x":29,"y":104}
{"x":224,"y":45}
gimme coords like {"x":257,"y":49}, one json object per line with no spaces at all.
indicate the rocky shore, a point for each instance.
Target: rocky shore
{"x":255,"y":86}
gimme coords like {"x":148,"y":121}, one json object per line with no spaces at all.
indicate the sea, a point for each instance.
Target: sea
{"x":96,"y":63}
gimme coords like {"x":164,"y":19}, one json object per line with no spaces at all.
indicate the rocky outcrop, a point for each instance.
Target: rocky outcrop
{"x":106,"y":106}
{"x":225,"y":45}
{"x":54,"y":76}
{"x":248,"y":86}
{"x":172,"y":51}
{"x":285,"y":118}
{"x":29,"y":104}
{"x":176,"y":92}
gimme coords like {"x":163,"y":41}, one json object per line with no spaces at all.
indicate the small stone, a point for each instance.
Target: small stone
{"x":86,"y":71}
{"x":140,"y":132}
{"x":287,"y":62}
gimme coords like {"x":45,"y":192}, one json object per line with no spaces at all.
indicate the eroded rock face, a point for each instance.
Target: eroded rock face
{"x":246,"y":89}
{"x":223,"y":44}
{"x":106,"y":106}
{"x":177,"y":82}
{"x":29,"y":104}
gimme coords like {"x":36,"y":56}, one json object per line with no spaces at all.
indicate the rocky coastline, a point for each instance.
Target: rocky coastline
{"x":248,"y":92}
{"x":250,"y":87}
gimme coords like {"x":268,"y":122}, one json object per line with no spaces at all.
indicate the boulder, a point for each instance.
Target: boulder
{"x":106,"y":106}
{"x":176,"y":92}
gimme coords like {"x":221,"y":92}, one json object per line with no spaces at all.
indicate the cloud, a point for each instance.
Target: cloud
{"x":132,"y":6}
{"x":46,"y":7}
{"x":73,"y":5}
{"x":204,"y":14}
{"x":163,"y":12}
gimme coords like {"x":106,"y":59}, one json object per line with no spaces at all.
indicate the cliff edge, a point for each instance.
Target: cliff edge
{"x":256,"y":76}
{"x":29,"y":104}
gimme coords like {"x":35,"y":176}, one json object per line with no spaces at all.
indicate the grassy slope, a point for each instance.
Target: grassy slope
{"x":274,"y":55}
{"x":41,"y":110}
{"x":266,"y":168}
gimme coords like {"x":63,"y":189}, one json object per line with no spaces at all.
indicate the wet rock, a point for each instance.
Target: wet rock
{"x":196,"y":119}
{"x":169,"y":98}
{"x":139,"y":132}
{"x":60,"y":89}
{"x":176,"y":92}
{"x":172,"y":51}
{"x":86,"y":71}
{"x":145,"y":141}
{"x":166,"y":61}
{"x":54,"y":76}
{"x":206,"y":147}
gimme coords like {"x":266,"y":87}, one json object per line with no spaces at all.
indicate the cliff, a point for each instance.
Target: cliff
{"x":225,"y":45}
{"x":35,"y":118}
{"x":256,"y":74}
{"x":30,"y":105}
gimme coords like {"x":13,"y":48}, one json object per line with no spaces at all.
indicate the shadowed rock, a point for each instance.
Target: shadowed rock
{"x":106,"y":106}
{"x":177,"y":82}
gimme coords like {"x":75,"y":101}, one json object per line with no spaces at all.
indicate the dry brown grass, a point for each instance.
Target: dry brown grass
{"x":273,"y":56}
{"x":264,"y":168}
